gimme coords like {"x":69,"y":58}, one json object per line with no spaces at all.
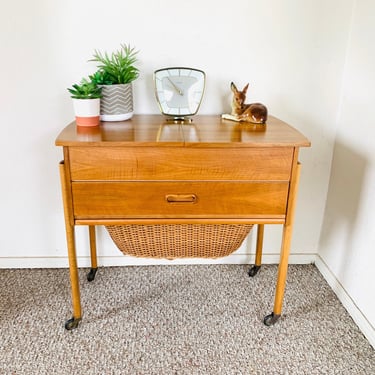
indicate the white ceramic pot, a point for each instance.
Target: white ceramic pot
{"x":87,"y":111}
{"x":117,"y":102}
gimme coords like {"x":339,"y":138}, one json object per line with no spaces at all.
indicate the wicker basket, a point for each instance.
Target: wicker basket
{"x":180,"y":240}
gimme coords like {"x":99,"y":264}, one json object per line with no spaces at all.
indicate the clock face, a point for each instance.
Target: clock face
{"x":179,"y":91}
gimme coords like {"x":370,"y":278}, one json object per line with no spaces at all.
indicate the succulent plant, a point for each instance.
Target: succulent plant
{"x":85,"y":90}
{"x":117,"y":67}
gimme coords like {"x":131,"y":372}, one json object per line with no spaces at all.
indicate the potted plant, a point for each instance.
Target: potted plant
{"x":86,"y":102}
{"x":115,"y":75}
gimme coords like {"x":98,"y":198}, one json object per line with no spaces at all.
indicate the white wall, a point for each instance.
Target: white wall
{"x":348,"y":238}
{"x":291,"y":52}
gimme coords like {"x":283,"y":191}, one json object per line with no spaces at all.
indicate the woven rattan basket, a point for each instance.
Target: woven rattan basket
{"x":179,"y":241}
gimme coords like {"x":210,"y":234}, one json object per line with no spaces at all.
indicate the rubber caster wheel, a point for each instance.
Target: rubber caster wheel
{"x":72,"y":323}
{"x":253,"y":271}
{"x":271,"y":319}
{"x":91,"y":274}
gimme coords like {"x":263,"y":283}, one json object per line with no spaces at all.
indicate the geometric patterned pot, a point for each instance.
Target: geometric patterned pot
{"x":117,"y":102}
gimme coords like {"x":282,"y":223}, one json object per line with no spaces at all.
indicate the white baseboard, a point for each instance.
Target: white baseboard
{"x":364,"y":325}
{"x":62,"y":262}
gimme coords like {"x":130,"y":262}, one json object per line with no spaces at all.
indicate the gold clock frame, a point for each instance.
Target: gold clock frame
{"x":179,"y":117}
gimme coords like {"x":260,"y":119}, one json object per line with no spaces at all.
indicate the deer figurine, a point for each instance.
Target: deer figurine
{"x":255,"y":113}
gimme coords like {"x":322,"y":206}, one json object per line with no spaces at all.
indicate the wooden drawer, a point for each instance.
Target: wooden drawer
{"x":180,"y":163}
{"x":179,"y":199}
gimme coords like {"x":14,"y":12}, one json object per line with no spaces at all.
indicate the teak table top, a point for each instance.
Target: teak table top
{"x":204,"y":131}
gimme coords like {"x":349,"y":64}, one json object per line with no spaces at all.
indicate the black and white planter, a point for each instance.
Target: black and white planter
{"x":117,"y":102}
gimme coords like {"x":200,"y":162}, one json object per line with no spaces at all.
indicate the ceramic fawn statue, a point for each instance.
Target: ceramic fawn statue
{"x":255,"y":113}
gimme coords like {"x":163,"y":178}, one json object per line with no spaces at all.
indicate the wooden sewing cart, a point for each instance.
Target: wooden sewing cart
{"x":210,"y":174}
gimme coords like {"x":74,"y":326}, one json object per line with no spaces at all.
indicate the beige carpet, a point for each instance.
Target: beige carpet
{"x":204,"y":319}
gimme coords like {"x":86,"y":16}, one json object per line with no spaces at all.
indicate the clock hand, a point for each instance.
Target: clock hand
{"x":175,"y":87}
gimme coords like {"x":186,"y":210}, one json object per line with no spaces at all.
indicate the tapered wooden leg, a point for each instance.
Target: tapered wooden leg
{"x":259,"y":249}
{"x":74,"y":280}
{"x":283,"y":269}
{"x":281,"y":277}
{"x":94,"y":262}
{"x":284,"y":255}
{"x":70,"y":239}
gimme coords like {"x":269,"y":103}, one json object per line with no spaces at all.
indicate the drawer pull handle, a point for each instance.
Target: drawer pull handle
{"x":181,"y":198}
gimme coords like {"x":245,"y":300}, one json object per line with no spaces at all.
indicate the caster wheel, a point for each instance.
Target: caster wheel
{"x":91,"y":274}
{"x":72,"y":323}
{"x":253,"y":271}
{"x":271,"y":319}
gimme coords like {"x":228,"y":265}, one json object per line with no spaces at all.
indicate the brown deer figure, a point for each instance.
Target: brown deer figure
{"x":254,"y":112}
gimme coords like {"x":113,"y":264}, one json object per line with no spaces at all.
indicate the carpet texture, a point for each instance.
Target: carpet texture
{"x":194,"y":319}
